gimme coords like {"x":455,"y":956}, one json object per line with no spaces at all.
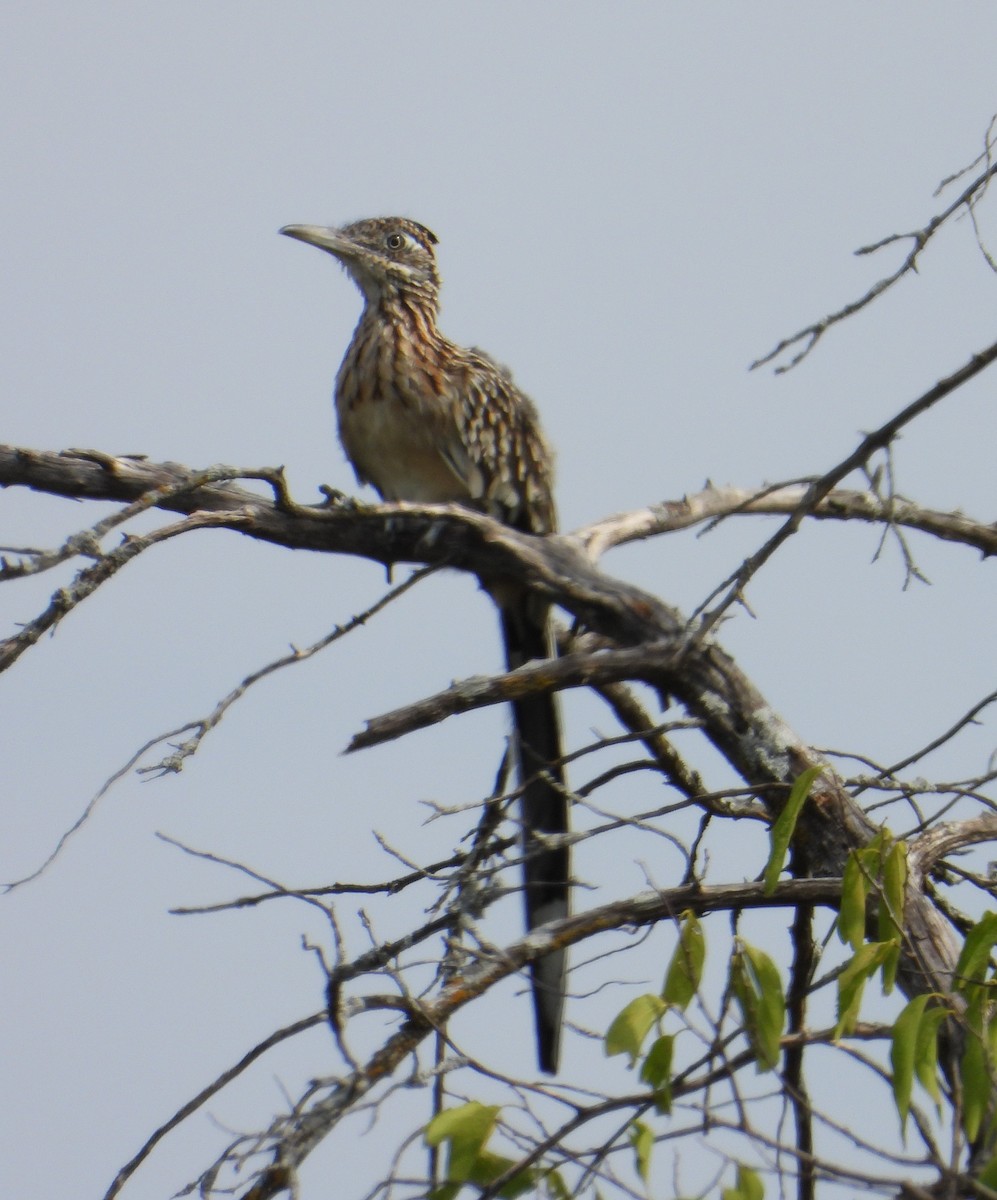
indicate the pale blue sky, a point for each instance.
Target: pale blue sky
{"x":633,"y":202}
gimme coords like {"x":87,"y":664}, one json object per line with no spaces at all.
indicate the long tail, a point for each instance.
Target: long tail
{"x":527,"y":634}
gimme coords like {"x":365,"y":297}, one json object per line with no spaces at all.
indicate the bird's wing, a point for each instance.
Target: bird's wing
{"x":499,"y":449}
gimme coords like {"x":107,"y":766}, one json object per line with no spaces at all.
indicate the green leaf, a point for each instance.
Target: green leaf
{"x":656,"y":1071}
{"x":926,"y":1053}
{"x":975,"y":1086}
{"x":519,"y":1185}
{"x":470,"y":1124}
{"x":466,"y":1129}
{"x":852,"y":980}
{"x":446,"y":1191}
{"x":686,"y":967}
{"x":627,"y":1032}
{"x":906,"y":1031}
{"x":642,"y":1141}
{"x":891,"y":904}
{"x":974,"y":961}
{"x":988,"y":1176}
{"x":782,"y":830}
{"x":556,"y":1187}
{"x":772,"y":1010}
{"x":891,"y":964}
{"x":854,"y":893}
{"x":974,"y":1073}
{"x":914,"y":1053}
{"x":488,"y":1166}
{"x":758,"y":991}
{"x":749,"y":1186}
{"x":881,"y":865}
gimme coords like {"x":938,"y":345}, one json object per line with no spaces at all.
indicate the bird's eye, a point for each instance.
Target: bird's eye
{"x":395,"y":241}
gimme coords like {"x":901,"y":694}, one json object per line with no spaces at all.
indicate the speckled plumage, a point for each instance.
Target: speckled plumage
{"x":421,"y":418}
{"x":425,"y":420}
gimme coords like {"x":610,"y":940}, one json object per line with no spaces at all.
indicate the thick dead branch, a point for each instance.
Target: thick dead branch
{"x":653,"y":644}
{"x":762,"y":749}
{"x":442,"y":535}
{"x":714,"y":503}
{"x":946,"y":839}
{"x":648,"y":663}
{"x":735,"y":716}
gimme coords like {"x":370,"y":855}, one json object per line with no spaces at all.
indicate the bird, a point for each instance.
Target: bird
{"x":427,"y":421}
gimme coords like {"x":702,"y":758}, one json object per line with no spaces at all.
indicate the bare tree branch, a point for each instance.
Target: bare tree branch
{"x":291,"y":1146}
{"x":714,"y":503}
{"x":821,"y":488}
{"x":633,"y":637}
{"x":89,"y":580}
{"x":810,"y":335}
{"x":202,"y":1097}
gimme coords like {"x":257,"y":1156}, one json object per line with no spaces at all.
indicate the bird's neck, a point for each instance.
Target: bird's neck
{"x":409,"y":316}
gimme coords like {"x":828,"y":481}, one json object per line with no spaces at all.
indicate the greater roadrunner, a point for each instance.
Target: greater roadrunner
{"x":430,"y":422}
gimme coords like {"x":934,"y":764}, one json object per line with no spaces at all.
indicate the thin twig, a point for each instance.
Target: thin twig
{"x":810,"y":335}
{"x":877,"y":440}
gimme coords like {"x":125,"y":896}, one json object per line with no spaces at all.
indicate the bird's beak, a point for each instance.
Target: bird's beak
{"x":319,"y":235}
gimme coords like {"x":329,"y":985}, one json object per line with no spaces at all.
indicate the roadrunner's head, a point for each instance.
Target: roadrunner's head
{"x":386,"y":256}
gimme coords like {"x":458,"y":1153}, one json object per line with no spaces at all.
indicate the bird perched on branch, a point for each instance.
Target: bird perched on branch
{"x":430,"y":422}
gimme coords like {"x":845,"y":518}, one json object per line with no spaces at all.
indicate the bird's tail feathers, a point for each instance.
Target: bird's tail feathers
{"x":527,"y":635}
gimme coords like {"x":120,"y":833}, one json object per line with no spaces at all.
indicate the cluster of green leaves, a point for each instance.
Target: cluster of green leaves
{"x":465,"y":1131}
{"x":629,"y":1030}
{"x":974,"y":984}
{"x":753,"y":982}
{"x":756,"y":987}
{"x":871,"y":923}
{"x":872,"y":907}
{"x":872,"y":902}
{"x":971,"y":1009}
